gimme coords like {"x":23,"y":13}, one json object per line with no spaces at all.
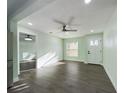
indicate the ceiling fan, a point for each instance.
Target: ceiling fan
{"x":64,"y":29}
{"x":28,"y":38}
{"x":67,"y":27}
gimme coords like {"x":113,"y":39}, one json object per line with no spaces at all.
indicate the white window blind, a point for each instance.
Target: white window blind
{"x":72,"y":49}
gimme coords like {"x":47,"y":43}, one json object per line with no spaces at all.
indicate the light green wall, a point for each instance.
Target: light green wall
{"x":110,"y":49}
{"x":13,"y":28}
{"x":81,"y":51}
{"x":45,"y":42}
{"x":26,"y":46}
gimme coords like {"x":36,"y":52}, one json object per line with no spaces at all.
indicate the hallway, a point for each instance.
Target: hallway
{"x":64,"y":77}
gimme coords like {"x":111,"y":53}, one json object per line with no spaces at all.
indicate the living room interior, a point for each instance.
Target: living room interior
{"x":62,"y":46}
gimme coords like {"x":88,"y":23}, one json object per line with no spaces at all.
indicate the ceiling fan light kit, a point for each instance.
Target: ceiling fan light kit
{"x":28,"y":38}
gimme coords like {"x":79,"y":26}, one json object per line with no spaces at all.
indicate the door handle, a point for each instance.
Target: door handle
{"x":88,"y":52}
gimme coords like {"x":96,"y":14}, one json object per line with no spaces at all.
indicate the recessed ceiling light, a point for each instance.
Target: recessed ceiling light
{"x":87,"y":1}
{"x":91,"y":30}
{"x":30,"y":24}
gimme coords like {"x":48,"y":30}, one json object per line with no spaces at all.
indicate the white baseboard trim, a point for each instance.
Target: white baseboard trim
{"x":94,"y":64}
{"x":107,"y":72}
{"x":73,"y":61}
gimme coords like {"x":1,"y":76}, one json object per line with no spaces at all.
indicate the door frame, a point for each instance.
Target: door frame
{"x":94,"y":34}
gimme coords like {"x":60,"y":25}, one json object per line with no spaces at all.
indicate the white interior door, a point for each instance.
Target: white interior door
{"x":94,"y":49}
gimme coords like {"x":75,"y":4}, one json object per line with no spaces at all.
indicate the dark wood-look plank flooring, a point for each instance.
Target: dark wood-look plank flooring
{"x":64,"y":77}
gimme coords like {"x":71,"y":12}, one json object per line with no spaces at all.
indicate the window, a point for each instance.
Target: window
{"x":91,"y":43}
{"x":94,"y":43}
{"x":72,"y":49}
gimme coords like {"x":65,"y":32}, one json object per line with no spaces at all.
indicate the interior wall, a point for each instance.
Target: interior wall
{"x":45,"y":44}
{"x":110,"y":49}
{"x":13,"y":28}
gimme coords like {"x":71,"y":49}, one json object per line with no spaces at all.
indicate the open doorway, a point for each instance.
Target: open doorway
{"x":27,"y":51}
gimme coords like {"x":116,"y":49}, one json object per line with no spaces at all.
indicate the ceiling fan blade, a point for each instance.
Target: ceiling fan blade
{"x":60,"y":22}
{"x":75,"y":25}
{"x":73,"y":30}
{"x":58,"y":31}
{"x":70,"y":20}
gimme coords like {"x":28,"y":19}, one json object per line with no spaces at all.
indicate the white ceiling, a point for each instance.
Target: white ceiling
{"x":14,"y":5}
{"x":92,"y":16}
